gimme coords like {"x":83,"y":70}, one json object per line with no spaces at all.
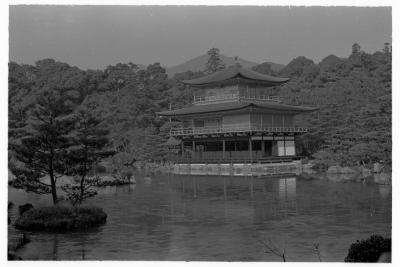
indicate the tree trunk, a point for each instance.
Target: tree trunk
{"x":53,"y":185}
{"x":52,"y":178}
{"x":82,"y":189}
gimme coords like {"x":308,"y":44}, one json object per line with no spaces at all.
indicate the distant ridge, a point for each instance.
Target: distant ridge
{"x":199,"y":64}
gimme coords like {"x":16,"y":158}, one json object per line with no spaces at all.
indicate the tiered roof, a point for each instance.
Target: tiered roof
{"x":237,"y":72}
{"x":274,"y":107}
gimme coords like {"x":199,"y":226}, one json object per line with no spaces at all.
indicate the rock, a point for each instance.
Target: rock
{"x":365,"y":171}
{"x":348,"y":170}
{"x":147,"y":180}
{"x":349,"y":176}
{"x":11,"y":256}
{"x":308,"y":166}
{"x":382,"y":178}
{"x":377,"y":167}
{"x":106,"y":178}
{"x":334,"y":177}
{"x":385,"y":257}
{"x":334,"y":169}
{"x":308,"y":171}
{"x":11,"y":176}
{"x":24,"y":208}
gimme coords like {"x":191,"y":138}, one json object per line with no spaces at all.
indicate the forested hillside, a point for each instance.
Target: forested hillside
{"x":354,"y":96}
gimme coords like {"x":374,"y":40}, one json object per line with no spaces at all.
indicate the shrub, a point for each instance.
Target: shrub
{"x":24,"y":208}
{"x":61,"y":218}
{"x":126,"y":175}
{"x":368,"y":250}
{"x":101,"y":169}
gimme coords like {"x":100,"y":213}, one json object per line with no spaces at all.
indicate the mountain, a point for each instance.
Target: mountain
{"x":330,"y":62}
{"x":199,"y":64}
{"x":275,"y":66}
{"x":296,"y":67}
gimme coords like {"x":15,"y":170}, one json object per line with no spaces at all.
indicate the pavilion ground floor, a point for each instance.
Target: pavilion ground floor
{"x":237,"y":149}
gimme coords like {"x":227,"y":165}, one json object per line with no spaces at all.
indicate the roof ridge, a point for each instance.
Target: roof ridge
{"x":230,"y":73}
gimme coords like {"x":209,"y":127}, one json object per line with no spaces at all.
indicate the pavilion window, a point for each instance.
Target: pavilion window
{"x":278,"y":120}
{"x":186,"y":124}
{"x":213,"y":146}
{"x":267,"y":120}
{"x":268,"y":148}
{"x":200,"y":147}
{"x":242,"y":145}
{"x":198,"y":124}
{"x":256,"y":145}
{"x":229,"y":145}
{"x":288,"y":120}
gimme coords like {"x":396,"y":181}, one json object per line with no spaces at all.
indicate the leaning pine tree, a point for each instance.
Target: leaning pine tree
{"x":88,"y":141}
{"x":42,"y":147}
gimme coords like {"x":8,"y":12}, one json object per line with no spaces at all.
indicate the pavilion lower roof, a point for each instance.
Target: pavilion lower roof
{"x":237,"y":73}
{"x":273,"y":107}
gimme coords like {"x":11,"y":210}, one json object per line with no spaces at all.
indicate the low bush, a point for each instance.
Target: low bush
{"x":368,"y":250}
{"x":115,"y":182}
{"x":24,"y":208}
{"x":61,"y":218}
{"x":101,"y":169}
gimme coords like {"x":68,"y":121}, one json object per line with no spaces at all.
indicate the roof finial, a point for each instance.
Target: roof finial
{"x":237,"y":64}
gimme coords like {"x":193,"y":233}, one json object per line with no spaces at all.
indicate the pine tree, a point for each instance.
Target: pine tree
{"x":214,"y":62}
{"x":355,"y":49}
{"x":87,"y":147}
{"x":41,"y":150}
{"x":387,"y":49}
{"x":152,"y":150}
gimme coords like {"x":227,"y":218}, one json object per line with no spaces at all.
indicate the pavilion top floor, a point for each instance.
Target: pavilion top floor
{"x":234,"y":84}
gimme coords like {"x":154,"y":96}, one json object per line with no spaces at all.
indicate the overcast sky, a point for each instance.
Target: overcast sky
{"x":97,"y":36}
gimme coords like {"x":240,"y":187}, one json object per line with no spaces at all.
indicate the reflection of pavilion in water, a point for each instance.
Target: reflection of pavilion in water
{"x":246,"y":199}
{"x":223,"y":210}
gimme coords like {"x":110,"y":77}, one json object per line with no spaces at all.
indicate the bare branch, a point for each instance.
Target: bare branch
{"x":271,"y":248}
{"x":316,"y":248}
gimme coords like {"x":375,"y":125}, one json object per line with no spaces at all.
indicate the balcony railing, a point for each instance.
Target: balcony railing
{"x":202,"y":100}
{"x":237,"y":128}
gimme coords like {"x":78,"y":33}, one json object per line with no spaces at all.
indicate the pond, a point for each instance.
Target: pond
{"x":206,"y":218}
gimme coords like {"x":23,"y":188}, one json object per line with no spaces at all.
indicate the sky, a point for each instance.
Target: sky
{"x":97,"y":36}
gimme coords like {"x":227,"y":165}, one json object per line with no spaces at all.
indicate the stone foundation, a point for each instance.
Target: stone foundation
{"x":239,"y":169}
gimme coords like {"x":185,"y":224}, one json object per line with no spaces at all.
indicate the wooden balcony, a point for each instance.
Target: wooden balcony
{"x":237,"y":128}
{"x":206,"y":100}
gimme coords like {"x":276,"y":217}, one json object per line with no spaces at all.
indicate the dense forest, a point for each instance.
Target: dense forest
{"x":352,"y":126}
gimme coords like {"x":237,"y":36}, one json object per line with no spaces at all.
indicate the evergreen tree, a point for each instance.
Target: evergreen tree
{"x":355,"y":49}
{"x":87,"y":146}
{"x":41,"y":150}
{"x":152,"y":150}
{"x":387,"y":49}
{"x":214,"y":62}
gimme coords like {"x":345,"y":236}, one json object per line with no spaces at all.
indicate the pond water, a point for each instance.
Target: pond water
{"x":220,"y":219}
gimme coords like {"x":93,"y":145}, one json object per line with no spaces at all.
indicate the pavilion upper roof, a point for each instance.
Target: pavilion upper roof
{"x":237,"y":72}
{"x":273,"y":107}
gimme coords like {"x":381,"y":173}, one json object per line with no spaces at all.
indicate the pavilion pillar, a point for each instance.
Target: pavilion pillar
{"x":223,"y":148}
{"x":262,"y":147}
{"x":182,"y":148}
{"x":250,"y":149}
{"x":193,"y":149}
